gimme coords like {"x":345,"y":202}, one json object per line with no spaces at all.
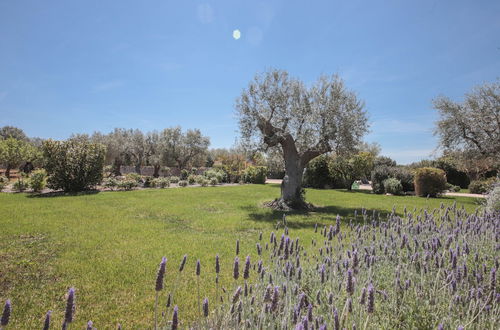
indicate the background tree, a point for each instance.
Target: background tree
{"x":474,"y":124}
{"x":184,"y":149}
{"x":13,"y":152}
{"x":12,"y":132}
{"x":278,"y":110}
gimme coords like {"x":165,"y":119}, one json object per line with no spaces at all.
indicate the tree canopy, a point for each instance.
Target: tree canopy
{"x":472,"y":125}
{"x":305,"y":122}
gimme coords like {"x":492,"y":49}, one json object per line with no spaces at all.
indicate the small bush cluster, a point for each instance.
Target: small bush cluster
{"x":38,"y":180}
{"x":255,"y":174}
{"x":174,"y":179}
{"x":161,"y":183}
{"x":183,"y":183}
{"x":393,"y":186}
{"x":382,"y":173}
{"x":482,"y":186}
{"x":218,"y":174}
{"x":452,"y":188}
{"x":429,"y":181}
{"x":20,"y":185}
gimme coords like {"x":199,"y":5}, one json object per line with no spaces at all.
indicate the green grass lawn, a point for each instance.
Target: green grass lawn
{"x":108,"y":245}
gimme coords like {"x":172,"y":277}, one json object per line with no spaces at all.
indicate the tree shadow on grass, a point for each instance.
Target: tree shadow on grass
{"x":321,"y":215}
{"x":62,"y":194}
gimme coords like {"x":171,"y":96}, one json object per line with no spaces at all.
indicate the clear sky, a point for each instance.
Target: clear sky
{"x":80,"y":66}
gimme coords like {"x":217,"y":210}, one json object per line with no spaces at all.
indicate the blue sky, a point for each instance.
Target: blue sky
{"x":80,"y":66}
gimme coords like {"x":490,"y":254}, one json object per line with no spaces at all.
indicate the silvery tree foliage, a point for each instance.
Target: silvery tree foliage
{"x":277,"y":110}
{"x":473,"y":125}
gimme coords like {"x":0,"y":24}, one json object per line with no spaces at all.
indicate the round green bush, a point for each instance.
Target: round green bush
{"x":73,"y":165}
{"x":481,"y":186}
{"x":161,"y":183}
{"x":183,"y":183}
{"x":174,"y":179}
{"x":255,"y":174}
{"x":393,"y":186}
{"x":184,"y":174}
{"x":214,"y":181}
{"x":429,"y":181}
{"x":191,"y":179}
{"x":204,"y":182}
{"x":38,"y":180}
{"x":127,"y":184}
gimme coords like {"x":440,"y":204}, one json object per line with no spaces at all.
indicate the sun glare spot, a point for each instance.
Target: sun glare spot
{"x":236,"y":34}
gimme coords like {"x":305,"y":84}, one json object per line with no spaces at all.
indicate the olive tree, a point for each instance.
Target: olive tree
{"x":182,"y":149}
{"x":13,"y":152}
{"x":305,"y":122}
{"x":472,"y":125}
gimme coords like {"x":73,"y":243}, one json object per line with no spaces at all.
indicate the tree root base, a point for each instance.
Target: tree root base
{"x":281,"y":205}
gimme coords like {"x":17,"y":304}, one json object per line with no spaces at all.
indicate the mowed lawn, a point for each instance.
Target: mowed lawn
{"x":108,"y":245}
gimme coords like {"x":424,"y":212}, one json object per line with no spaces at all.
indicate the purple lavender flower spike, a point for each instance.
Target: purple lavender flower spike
{"x":46,"y":323}
{"x":236,"y":269}
{"x":183,"y":263}
{"x":90,"y":325}
{"x":246,"y":271}
{"x":236,"y":295}
{"x":198,"y":268}
{"x":175,"y":318}
{"x":440,"y":326}
{"x":310,"y":313}
{"x":460,"y":327}
{"x":336,"y":323}
{"x":275,"y":298}
{"x":493,"y":279}
{"x":205,"y":307}
{"x":371,"y":299}
{"x":161,"y":274}
{"x":70,"y":306}
{"x":7,"y":309}
{"x":349,"y":284}
{"x":217,"y":264}
{"x":363,"y":296}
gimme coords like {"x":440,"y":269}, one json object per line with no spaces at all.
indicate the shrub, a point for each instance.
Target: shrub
{"x":219,"y":174}
{"x":127,"y":184}
{"x":214,"y":181}
{"x":382,"y":173}
{"x":160,"y":183}
{"x":110,"y":183}
{"x":3,"y":182}
{"x":405,"y":176}
{"x":393,"y":186}
{"x":183,"y":183}
{"x":199,"y":179}
{"x":192,"y":179}
{"x":147,"y":181}
{"x":38,"y":180}
{"x":452,"y":188}
{"x":379,"y":175}
{"x":493,"y":200}
{"x":184,"y":174}
{"x":194,"y":170}
{"x":429,"y":181}
{"x":73,"y":165}
{"x":134,"y":176}
{"x":174,"y":179}
{"x":255,"y":174}
{"x":204,"y":182}
{"x":317,"y":173}
{"x":20,"y":185}
{"x":481,"y":186}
